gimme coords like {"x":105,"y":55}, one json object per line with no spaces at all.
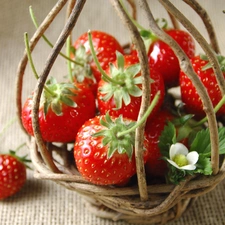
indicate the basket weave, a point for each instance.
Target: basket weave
{"x":140,"y":203}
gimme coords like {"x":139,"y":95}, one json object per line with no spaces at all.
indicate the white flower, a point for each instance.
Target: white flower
{"x":181,"y":158}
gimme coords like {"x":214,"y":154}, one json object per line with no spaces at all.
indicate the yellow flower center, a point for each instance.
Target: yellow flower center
{"x":180,"y":160}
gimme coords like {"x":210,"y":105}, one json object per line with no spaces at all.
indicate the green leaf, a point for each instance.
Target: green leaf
{"x":118,"y":98}
{"x":120,"y":60}
{"x":201,"y":143}
{"x":46,"y":107}
{"x":146,"y":34}
{"x":182,"y":120}
{"x":135,"y":91}
{"x":221,"y":133}
{"x":126,"y":97}
{"x":56,"y":108}
{"x":204,"y":165}
{"x":68,"y":101}
{"x":167,"y":138}
{"x":133,"y":70}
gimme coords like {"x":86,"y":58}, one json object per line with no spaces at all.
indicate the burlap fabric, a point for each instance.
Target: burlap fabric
{"x":44,"y":202}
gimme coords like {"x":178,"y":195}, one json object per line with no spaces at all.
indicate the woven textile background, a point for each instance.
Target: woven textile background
{"x":44,"y":202}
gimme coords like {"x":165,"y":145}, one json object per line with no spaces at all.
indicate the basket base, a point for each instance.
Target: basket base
{"x":100,"y":210}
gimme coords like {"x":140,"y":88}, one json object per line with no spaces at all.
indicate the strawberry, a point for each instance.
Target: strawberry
{"x":155,"y":165}
{"x":189,"y":95}
{"x":121,"y":94}
{"x":105,"y":47}
{"x":61,"y":113}
{"x":102,"y":156}
{"x":12,"y":174}
{"x":163,"y":59}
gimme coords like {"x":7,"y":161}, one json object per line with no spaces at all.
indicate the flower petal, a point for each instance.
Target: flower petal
{"x":173,"y":163}
{"x":192,"y":157}
{"x":178,"y":148}
{"x":188,"y":167}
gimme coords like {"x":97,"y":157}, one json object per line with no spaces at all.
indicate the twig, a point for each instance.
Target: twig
{"x":207,"y":104}
{"x":207,"y":22}
{"x":43,"y":77}
{"x":23,"y":62}
{"x":139,"y":137}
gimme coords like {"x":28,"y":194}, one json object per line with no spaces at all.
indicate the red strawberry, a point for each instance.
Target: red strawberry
{"x":122,"y":94}
{"x":155,"y":166}
{"x":103,"y":157}
{"x":163,"y":59}
{"x":60,"y":114}
{"x":190,"y":97}
{"x":105,"y":47}
{"x":12,"y":174}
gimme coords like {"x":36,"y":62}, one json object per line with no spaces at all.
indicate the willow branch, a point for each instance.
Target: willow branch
{"x":43,"y":77}
{"x":139,"y":137}
{"x":134,"y":9}
{"x":207,"y":105}
{"x":207,"y":22}
{"x":23,"y":62}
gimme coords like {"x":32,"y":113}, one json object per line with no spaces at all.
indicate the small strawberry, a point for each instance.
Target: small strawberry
{"x":12,"y":174}
{"x":189,"y":95}
{"x":63,"y":110}
{"x":105,"y":46}
{"x":121,"y":94}
{"x":155,"y":165}
{"x":102,"y":155}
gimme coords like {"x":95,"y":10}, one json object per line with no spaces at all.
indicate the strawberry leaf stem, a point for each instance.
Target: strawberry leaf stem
{"x":130,"y":17}
{"x":106,"y":77}
{"x":32,"y":63}
{"x":48,"y":41}
{"x":144,"y":118}
{"x":216,"y":109}
{"x":7,"y":125}
{"x":68,"y":51}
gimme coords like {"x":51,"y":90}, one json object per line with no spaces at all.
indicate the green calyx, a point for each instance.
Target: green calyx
{"x":122,"y":144}
{"x":22,"y":159}
{"x":60,"y":94}
{"x":81,"y":69}
{"x":123,"y":83}
{"x":120,"y":135}
{"x":220,"y":58}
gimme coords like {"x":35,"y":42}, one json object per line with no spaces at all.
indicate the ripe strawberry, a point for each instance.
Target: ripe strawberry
{"x":122,"y":94}
{"x":102,"y":156}
{"x":155,"y":166}
{"x":61,"y":113}
{"x":189,"y":95}
{"x":105,"y":47}
{"x":12,"y":174}
{"x":163,"y":59}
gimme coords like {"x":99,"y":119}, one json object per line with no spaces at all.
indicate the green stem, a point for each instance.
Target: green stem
{"x":68,"y":50}
{"x":13,"y":120}
{"x":19,"y":147}
{"x":48,"y":42}
{"x":145,"y":116}
{"x":110,"y":80}
{"x":130,"y":17}
{"x":216,"y":109}
{"x":32,"y":64}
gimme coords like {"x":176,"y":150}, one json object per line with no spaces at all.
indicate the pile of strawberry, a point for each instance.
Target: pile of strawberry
{"x":98,"y":108}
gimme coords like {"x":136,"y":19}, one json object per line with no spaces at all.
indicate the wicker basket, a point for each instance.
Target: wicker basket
{"x":139,"y":203}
